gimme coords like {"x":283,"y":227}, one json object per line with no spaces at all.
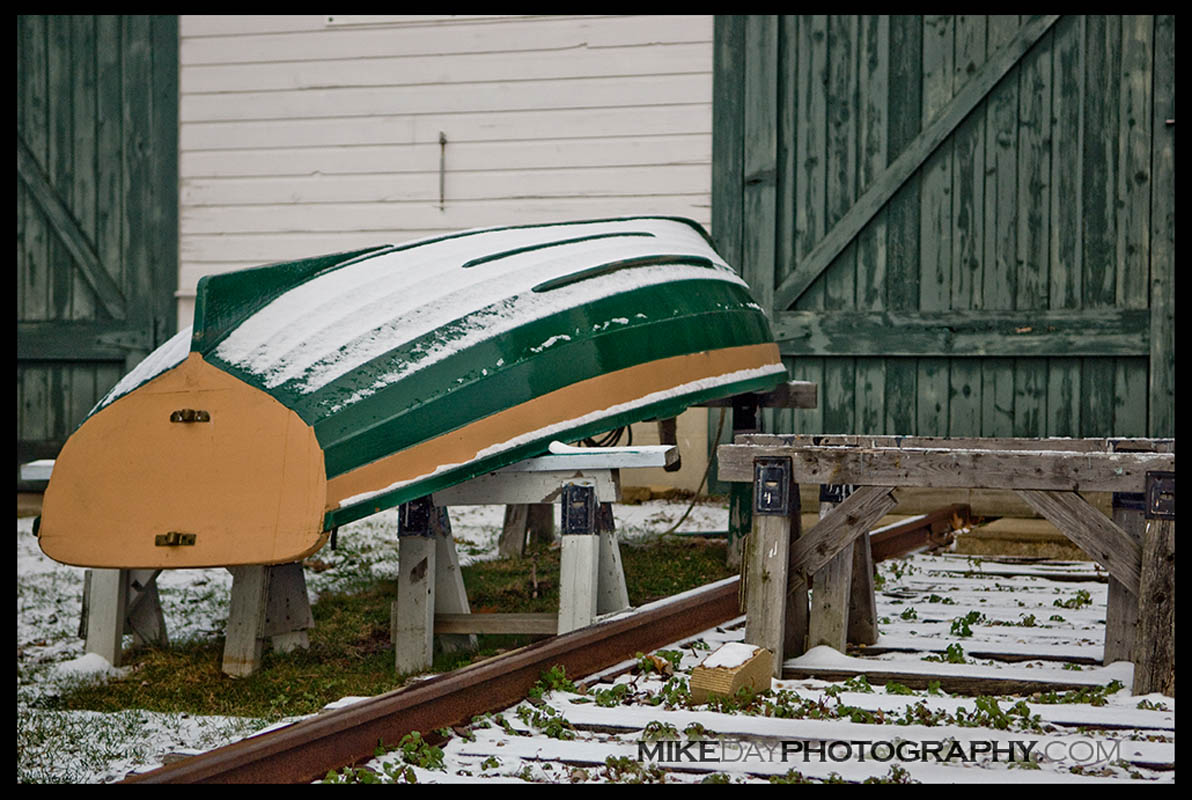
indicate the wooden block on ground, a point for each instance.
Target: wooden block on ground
{"x":730,"y":668}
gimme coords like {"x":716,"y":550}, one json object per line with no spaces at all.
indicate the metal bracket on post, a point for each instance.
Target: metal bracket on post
{"x":835,"y":492}
{"x":1131,"y":501}
{"x":413,"y":518}
{"x":1160,"y":495}
{"x":579,"y":509}
{"x":771,"y":486}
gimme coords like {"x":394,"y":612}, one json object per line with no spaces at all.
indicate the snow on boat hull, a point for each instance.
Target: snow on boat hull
{"x":313,"y":393}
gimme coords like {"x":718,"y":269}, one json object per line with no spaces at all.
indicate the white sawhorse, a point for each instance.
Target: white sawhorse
{"x":267,"y":602}
{"x":431,"y":594}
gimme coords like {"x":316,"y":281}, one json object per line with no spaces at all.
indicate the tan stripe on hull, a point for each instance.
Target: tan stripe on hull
{"x":579,"y":399}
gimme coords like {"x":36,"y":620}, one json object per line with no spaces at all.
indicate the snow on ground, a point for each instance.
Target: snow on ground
{"x":88,"y":747}
{"x":1009,"y":612}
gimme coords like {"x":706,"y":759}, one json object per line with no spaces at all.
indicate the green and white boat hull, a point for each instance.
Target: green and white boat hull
{"x":335,"y":387}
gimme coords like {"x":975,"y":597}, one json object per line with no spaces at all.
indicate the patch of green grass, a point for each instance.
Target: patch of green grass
{"x":350,"y":650}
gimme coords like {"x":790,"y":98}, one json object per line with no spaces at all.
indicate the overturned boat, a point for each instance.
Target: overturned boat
{"x":312,"y":393}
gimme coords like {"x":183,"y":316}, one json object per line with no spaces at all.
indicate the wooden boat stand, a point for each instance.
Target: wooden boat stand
{"x":270,"y":602}
{"x":1136,"y":546}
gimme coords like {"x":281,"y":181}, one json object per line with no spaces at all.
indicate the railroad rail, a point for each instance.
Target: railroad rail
{"x":305,"y":751}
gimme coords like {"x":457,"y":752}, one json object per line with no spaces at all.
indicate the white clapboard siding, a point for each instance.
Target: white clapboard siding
{"x":385,"y":159}
{"x":308,"y":134}
{"x":281,"y":38}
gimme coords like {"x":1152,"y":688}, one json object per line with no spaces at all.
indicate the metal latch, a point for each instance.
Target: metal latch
{"x":1160,"y":495}
{"x":579,"y":509}
{"x":190,"y":415}
{"x":174,"y":539}
{"x":771,"y":486}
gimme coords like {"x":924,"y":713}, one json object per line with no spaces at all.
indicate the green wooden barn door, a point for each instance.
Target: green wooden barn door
{"x":97,"y":211}
{"x":963,"y":225}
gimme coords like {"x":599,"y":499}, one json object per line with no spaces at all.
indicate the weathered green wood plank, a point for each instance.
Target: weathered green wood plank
{"x":1134,"y":209}
{"x":109,"y":124}
{"x":760,"y":156}
{"x":1033,"y":200}
{"x":902,"y":214}
{"x":873,"y":156}
{"x":968,"y":170}
{"x":138,"y":162}
{"x":1063,"y":396}
{"x":59,"y":171}
{"x":997,"y":397}
{"x":811,"y":145}
{"x":1067,"y":332}
{"x":164,"y":211}
{"x":1100,"y":157}
{"x":728,"y":56}
{"x":789,"y":131}
{"x":1161,"y":390}
{"x":1030,"y":393}
{"x":905,"y":113}
{"x":1001,"y":181}
{"x":1066,"y":245}
{"x":83,"y":146}
{"x":840,"y":278}
{"x":935,"y":216}
{"x":32,"y":126}
{"x":968,"y":218}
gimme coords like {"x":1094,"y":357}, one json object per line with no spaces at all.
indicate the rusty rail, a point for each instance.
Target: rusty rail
{"x":930,"y":530}
{"x":305,"y":751}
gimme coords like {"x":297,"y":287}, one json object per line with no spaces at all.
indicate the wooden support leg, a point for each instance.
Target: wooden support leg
{"x":513,"y":532}
{"x":776,"y":614}
{"x":287,"y":608}
{"x":413,"y":621}
{"x":1121,"y":616}
{"x":579,"y":570}
{"x":144,"y":619}
{"x":611,"y":592}
{"x":831,"y":587}
{"x":245,"y":637}
{"x":451,"y":597}
{"x":105,"y":607}
{"x":540,"y":523}
{"x":862,"y":606}
{"x":535,"y":521}
{"x":1154,"y":643}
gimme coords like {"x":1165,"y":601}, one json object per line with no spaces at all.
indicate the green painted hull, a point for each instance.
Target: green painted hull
{"x":395,"y":350}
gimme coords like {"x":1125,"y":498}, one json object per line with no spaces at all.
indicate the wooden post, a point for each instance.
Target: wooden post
{"x":775,"y":618}
{"x":831,"y":587}
{"x":1121,"y":616}
{"x":413,"y":620}
{"x":245,"y":636}
{"x":540,"y":523}
{"x":107,"y":598}
{"x":1154,"y":643}
{"x":579,"y":576}
{"x":512,"y":541}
